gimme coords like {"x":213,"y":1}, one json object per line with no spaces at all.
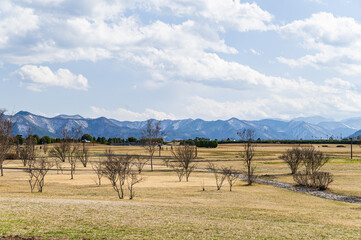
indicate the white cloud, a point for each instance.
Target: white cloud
{"x":339,"y":83}
{"x":317,"y":1}
{"x":15,"y":21}
{"x":336,"y":41}
{"x":226,"y":13}
{"x":42,"y":77}
{"x":124,"y":114}
{"x":241,"y":16}
{"x":43,"y":2}
{"x":102,"y":29}
{"x":255,"y":52}
{"x":188,"y":51}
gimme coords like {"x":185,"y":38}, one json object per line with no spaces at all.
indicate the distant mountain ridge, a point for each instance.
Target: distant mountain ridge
{"x":188,"y":128}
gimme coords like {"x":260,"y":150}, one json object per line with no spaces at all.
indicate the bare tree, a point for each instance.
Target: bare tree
{"x":67,"y":149}
{"x":59,"y":166}
{"x":71,"y":138}
{"x":218,"y":175}
{"x":45,"y":148}
{"x":37,"y":169}
{"x":140,"y":161}
{"x":293,"y":158}
{"x":176,"y":167}
{"x":83,"y":155}
{"x":27,"y":152}
{"x":151,"y":134}
{"x":98,"y":169}
{"x":179,"y":170}
{"x":185,"y":156}
{"x":60,"y":150}
{"x":116,"y":169}
{"x":73,"y":159}
{"x":232,"y":176}
{"x":5,"y":137}
{"x":247,"y":135}
{"x":132,"y":179}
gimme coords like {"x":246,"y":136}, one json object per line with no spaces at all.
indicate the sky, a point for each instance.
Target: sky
{"x":163,"y":59}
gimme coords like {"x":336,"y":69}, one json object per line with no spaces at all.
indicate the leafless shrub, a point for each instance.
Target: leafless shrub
{"x":5,"y":137}
{"x":218,"y":175}
{"x":302,"y":179}
{"x":185,"y":156}
{"x":231,"y":175}
{"x":313,"y":160}
{"x":37,"y":169}
{"x":319,"y":160}
{"x":321,"y":180}
{"x":293,"y":158}
{"x":140,"y":162}
{"x":248,"y":152}
{"x":116,"y":170}
{"x":132,"y":179}
{"x":98,"y":169}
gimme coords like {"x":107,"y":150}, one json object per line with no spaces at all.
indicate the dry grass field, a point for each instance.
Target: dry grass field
{"x":165,"y":208}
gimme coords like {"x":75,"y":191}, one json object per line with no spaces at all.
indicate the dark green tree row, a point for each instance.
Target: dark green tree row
{"x":201,"y":143}
{"x":19,"y":139}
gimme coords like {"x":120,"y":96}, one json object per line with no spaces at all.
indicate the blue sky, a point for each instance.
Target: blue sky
{"x":209,"y":59}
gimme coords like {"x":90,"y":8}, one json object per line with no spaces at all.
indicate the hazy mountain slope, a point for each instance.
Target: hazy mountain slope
{"x":184,"y":129}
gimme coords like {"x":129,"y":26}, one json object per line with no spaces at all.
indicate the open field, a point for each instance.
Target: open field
{"x":166,"y":208}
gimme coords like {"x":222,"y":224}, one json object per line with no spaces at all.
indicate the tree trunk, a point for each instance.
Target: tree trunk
{"x":151,"y":163}
{"x":71,"y":173}
{"x":249,"y":175}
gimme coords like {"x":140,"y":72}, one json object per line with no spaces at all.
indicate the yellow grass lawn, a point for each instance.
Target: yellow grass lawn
{"x":165,"y":208}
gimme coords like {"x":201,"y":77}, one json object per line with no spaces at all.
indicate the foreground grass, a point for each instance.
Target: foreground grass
{"x":165,"y":208}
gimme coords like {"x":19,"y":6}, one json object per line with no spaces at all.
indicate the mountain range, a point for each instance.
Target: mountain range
{"x":300,"y":128}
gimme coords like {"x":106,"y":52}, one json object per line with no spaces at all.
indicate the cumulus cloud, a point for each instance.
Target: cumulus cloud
{"x":188,"y":50}
{"x":103,"y":29}
{"x":15,"y":21}
{"x":40,"y":78}
{"x":336,"y":41}
{"x":124,"y":114}
{"x":241,"y":16}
